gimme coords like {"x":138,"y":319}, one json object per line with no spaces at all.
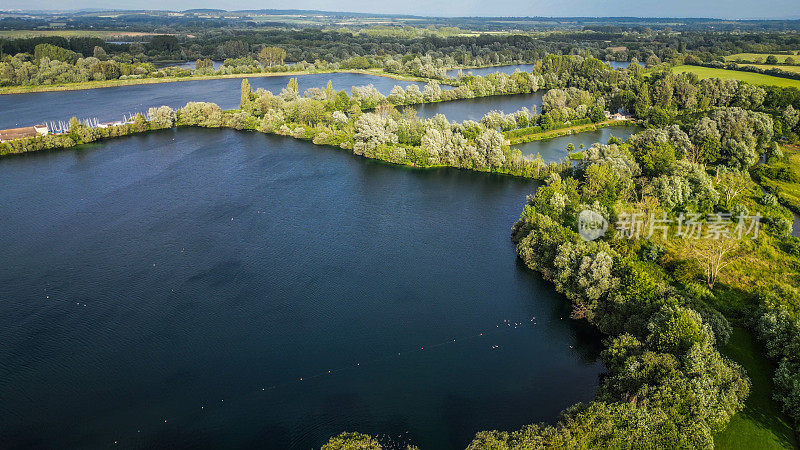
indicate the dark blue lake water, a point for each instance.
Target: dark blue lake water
{"x":172,"y":289}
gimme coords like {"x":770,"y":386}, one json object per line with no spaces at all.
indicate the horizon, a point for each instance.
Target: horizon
{"x":472,"y":9}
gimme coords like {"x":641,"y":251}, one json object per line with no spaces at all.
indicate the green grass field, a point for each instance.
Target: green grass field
{"x":761,"y":424}
{"x":748,"y":77}
{"x":788,"y":192}
{"x":795,"y":69}
{"x":14,"y":34}
{"x":763,"y":56}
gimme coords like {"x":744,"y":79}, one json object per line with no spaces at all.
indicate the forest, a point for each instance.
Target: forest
{"x":31,"y":60}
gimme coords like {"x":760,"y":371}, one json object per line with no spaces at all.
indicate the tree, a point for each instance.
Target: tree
{"x":164,"y":43}
{"x":106,"y":70}
{"x":246,"y":94}
{"x":771,"y":59}
{"x":642,"y":103}
{"x":397,"y":95}
{"x":791,"y":117}
{"x":99,"y":53}
{"x":372,"y":131}
{"x":597,"y":114}
{"x":675,"y":330}
{"x":714,"y":255}
{"x":652,"y":61}
{"x":233,"y":49}
{"x":201,"y":114}
{"x":352,"y":441}
{"x":706,"y":142}
{"x":432,"y":92}
{"x":291,"y":91}
{"x":161,"y":117}
{"x":730,"y":182}
{"x":202,"y":64}
{"x":55,"y":53}
{"x":272,"y":56}
{"x":490,"y":146}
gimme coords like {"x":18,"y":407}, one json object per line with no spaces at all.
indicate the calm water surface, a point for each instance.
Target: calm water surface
{"x":112,"y":103}
{"x":483,"y":71}
{"x":475,"y":108}
{"x":186,"y":64}
{"x":108,"y":104}
{"x":556,"y":149}
{"x":153,"y":285}
{"x":620,"y":64}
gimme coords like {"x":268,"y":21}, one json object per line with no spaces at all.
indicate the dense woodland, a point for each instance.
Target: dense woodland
{"x":664,"y":303}
{"x":426,"y":53}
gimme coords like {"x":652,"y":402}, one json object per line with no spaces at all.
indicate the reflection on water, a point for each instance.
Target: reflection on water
{"x":475,"y":108}
{"x":108,"y":104}
{"x":185,"y":64}
{"x":620,"y":64}
{"x":556,"y":149}
{"x":483,"y":71}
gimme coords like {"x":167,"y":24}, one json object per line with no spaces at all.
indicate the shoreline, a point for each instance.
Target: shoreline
{"x":575,"y":129}
{"x":15,"y":90}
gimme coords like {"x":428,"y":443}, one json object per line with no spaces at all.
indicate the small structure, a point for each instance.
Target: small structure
{"x":23,"y":132}
{"x":619,"y":115}
{"x":111,"y":124}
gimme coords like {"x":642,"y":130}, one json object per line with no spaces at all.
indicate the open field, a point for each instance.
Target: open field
{"x":786,"y":191}
{"x":748,"y":77}
{"x":763,"y":56}
{"x":761,"y":424}
{"x":14,"y":34}
{"x":794,"y":69}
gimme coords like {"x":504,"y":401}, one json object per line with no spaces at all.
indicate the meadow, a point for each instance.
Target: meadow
{"x":762,"y":56}
{"x":793,"y":69}
{"x":748,"y":77}
{"x":102,"y":34}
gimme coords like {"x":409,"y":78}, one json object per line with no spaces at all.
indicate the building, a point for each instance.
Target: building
{"x":617,"y":116}
{"x":24,"y":132}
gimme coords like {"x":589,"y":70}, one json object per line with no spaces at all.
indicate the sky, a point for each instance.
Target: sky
{"x":724,"y":9}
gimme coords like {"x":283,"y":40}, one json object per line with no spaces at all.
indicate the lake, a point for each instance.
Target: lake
{"x":108,"y":104}
{"x":193,"y":287}
{"x":475,"y":108}
{"x":621,"y":64}
{"x":556,"y":149}
{"x":111,"y":103}
{"x":185,"y":64}
{"x":509,"y":69}
{"x":483,"y":71}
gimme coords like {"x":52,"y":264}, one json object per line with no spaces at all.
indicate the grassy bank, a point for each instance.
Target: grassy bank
{"x":114,"y":83}
{"x":558,"y":132}
{"x":763,"y":56}
{"x":787,"y":190}
{"x":793,"y":69}
{"x":747,"y":77}
{"x":761,"y":424}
